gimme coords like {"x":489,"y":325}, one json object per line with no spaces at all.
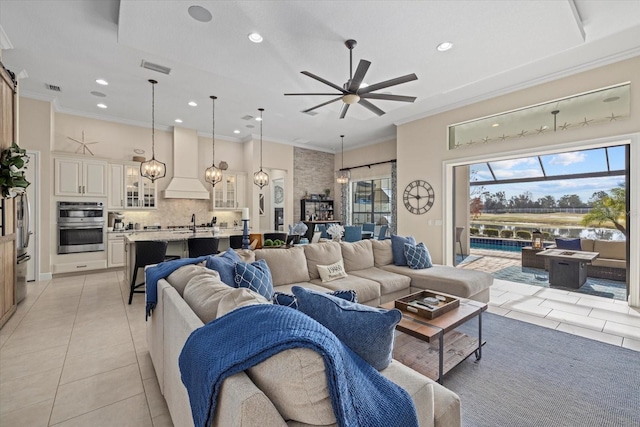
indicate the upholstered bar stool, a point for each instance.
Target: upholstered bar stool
{"x":200,"y":246}
{"x":147,"y":253}
{"x":235,"y":242}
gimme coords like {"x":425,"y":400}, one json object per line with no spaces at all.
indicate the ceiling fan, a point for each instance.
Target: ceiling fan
{"x":352,"y":92}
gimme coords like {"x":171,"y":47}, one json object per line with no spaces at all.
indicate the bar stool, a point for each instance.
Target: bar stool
{"x":235,"y":242}
{"x":147,"y":253}
{"x":200,"y":246}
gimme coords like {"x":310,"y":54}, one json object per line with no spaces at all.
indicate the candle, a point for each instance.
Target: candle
{"x":245,"y":213}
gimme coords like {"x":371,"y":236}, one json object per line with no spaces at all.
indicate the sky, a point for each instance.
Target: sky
{"x":555,"y":164}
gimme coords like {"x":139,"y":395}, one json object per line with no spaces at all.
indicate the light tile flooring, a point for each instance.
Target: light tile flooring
{"x":75,"y":353}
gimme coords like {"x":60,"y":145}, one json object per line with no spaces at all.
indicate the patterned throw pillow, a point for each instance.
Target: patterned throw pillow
{"x":418,"y":256}
{"x":224,"y":265}
{"x":397,"y":248}
{"x":331,"y":272}
{"x":368,"y":331}
{"x":281,"y":298}
{"x":255,"y":276}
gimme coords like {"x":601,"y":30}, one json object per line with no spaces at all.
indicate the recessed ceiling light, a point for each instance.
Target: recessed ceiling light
{"x":199,"y":13}
{"x":102,"y":106}
{"x":178,"y":120}
{"x":613,"y":98}
{"x":255,"y":37}
{"x":236,"y":131}
{"x":495,"y":125}
{"x":96,"y":93}
{"x":444,"y":46}
{"x":102,"y":82}
{"x":258,"y":119}
{"x":193,"y":104}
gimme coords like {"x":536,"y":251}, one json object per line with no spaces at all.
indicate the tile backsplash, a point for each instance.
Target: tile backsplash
{"x":178,"y":212}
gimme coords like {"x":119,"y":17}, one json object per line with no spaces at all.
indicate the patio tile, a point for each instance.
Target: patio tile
{"x":631,"y":344}
{"x":563,"y":296}
{"x":589,"y":333}
{"x":527,"y":306}
{"x":497,"y":310}
{"x":614,"y":316}
{"x":622,"y":330}
{"x":567,"y":307}
{"x":576,"y":319}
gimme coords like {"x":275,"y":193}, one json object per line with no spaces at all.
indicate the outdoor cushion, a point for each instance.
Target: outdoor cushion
{"x":568,"y":244}
{"x":357,"y":255}
{"x":287,"y":265}
{"x":610,"y":249}
{"x":587,"y":245}
{"x":321,"y":253}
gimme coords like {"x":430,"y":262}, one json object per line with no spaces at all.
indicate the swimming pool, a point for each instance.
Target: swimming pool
{"x":499,"y":244}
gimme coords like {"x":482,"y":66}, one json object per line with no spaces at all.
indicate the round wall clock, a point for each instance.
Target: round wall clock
{"x":278,"y":194}
{"x":418,"y":197}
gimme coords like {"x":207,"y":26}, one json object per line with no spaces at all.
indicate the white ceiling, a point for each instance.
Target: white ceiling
{"x":498,"y":46}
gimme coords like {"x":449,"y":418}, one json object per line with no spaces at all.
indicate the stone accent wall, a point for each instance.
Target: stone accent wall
{"x":312,"y":173}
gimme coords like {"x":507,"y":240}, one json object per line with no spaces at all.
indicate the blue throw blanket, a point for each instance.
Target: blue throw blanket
{"x":359,"y":394}
{"x":161,"y":271}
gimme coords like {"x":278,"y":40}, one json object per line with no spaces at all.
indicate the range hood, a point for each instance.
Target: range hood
{"x":185,"y":183}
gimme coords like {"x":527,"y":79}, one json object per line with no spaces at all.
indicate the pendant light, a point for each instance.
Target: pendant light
{"x":261,"y":178}
{"x":153,"y":169}
{"x":213,"y":174}
{"x":342,"y":176}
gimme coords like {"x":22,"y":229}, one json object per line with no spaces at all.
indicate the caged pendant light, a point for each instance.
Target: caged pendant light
{"x":342,"y":176}
{"x":213,"y":174}
{"x":261,"y":178}
{"x":153,"y":169}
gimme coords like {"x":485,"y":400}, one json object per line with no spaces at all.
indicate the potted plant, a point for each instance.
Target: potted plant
{"x":327,"y":192}
{"x":13,"y":162}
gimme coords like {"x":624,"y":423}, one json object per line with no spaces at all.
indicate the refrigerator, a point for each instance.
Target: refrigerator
{"x":23,"y":232}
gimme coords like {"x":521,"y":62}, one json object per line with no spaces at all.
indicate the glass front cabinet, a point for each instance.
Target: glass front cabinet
{"x":229,"y":193}
{"x":139,"y":191}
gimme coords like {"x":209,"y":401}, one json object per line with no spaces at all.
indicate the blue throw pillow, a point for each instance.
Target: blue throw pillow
{"x":418,"y":256}
{"x":570,"y":244}
{"x":224,"y":265}
{"x":368,"y":331}
{"x":255,"y":276}
{"x":281,"y":298}
{"x":397,"y":248}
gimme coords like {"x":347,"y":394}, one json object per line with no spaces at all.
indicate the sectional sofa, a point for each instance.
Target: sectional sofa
{"x":289,"y":389}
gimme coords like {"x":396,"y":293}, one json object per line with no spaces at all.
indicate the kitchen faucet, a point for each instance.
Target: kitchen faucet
{"x":193,"y":220}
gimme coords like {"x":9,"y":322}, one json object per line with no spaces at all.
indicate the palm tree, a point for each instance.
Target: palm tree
{"x":609,"y":207}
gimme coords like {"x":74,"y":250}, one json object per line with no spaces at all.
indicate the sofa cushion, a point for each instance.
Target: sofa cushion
{"x":389,"y":282}
{"x":608,"y":262}
{"x":331,"y":272}
{"x":321,"y":253}
{"x":368,"y":331}
{"x":286,"y":265}
{"x":382,"y":253}
{"x":289,"y":300}
{"x":224,"y":264}
{"x":397,"y":247}
{"x":569,"y":244}
{"x":295,"y":382}
{"x":179,"y":278}
{"x":245,"y":255}
{"x":255,"y":276}
{"x":418,"y":256}
{"x":209,"y":298}
{"x":610,"y":249}
{"x":367,"y":290}
{"x":357,"y":255}
{"x":587,"y":245}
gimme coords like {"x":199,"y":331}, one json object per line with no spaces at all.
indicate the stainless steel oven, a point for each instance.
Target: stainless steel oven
{"x":80,"y":227}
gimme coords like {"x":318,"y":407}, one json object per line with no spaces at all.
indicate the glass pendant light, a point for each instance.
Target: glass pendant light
{"x":153,"y":169}
{"x":261,"y":178}
{"x":342,"y":176}
{"x":213,"y":174}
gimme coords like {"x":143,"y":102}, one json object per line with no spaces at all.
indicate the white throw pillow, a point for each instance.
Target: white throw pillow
{"x":332,"y":272}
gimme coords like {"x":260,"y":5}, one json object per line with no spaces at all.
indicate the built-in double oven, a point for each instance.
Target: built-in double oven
{"x":80,"y":227}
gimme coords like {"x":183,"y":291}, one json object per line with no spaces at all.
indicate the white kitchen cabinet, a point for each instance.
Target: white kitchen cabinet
{"x":115,"y":249}
{"x":80,"y":176}
{"x":128,"y":189}
{"x":230,"y":192}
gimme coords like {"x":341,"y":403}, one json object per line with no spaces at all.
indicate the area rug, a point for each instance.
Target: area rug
{"x":535,"y":376}
{"x":593,"y":286}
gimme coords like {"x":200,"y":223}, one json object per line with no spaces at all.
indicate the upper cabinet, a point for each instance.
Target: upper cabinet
{"x":128,"y":189}
{"x":80,"y":176}
{"x":230,"y":192}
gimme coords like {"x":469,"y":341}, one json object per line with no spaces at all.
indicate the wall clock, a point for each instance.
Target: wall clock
{"x":418,"y":197}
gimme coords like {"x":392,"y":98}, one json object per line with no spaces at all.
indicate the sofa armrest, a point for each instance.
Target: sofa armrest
{"x":241,"y":403}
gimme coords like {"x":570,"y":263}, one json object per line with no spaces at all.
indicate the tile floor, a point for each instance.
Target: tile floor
{"x":75,"y":354}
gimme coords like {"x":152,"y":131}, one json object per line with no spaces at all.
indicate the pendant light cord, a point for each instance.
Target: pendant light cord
{"x":261,"y":120}
{"x":153,"y":118}
{"x":213,"y":131}
{"x":342,"y":137}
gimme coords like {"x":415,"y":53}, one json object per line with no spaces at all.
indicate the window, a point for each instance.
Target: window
{"x":371,"y":201}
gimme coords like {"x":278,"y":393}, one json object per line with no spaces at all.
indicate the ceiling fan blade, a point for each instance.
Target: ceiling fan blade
{"x":323,"y":104}
{"x":388,"y":97}
{"x":296,"y":94}
{"x":387,"y":83}
{"x":363,"y":66}
{"x":369,"y":106}
{"x":343,"y":110}
{"x":327,"y":82}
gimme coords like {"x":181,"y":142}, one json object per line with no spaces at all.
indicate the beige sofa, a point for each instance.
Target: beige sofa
{"x":241,"y":402}
{"x":612,"y":258}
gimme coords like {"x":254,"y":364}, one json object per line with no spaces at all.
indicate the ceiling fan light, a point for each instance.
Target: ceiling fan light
{"x":351,"y":98}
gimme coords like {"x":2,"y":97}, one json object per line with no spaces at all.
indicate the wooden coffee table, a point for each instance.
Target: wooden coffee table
{"x":460,"y":346}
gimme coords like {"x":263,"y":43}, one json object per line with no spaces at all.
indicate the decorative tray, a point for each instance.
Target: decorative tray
{"x":416,"y":303}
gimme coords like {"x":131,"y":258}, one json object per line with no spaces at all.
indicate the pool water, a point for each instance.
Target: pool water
{"x":496,"y":247}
